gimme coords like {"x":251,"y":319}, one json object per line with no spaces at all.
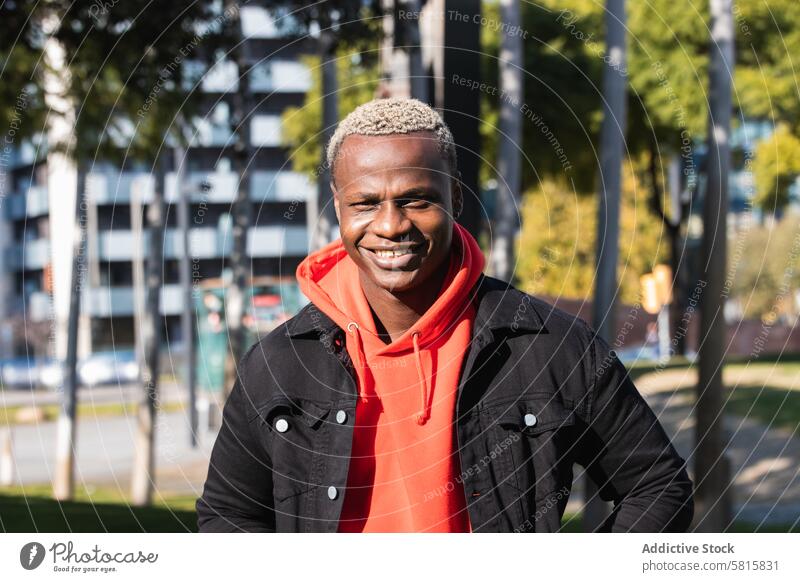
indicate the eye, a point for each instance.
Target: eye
{"x":363,"y":205}
{"x":416,"y":203}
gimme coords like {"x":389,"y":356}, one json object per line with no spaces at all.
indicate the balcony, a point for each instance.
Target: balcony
{"x":30,"y":203}
{"x":204,"y":187}
{"x":208,"y":243}
{"x":29,"y":255}
{"x":119,"y":301}
{"x":258,"y":22}
{"x":280,"y":76}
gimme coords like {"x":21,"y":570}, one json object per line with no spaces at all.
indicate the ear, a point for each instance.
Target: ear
{"x":336,"y":202}
{"x":457,"y":195}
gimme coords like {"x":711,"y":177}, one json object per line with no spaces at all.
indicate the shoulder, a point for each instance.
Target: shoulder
{"x":294,"y":359}
{"x":506,"y":306}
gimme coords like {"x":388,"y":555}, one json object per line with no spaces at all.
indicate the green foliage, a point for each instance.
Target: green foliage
{"x":126,"y":75}
{"x":768,"y":43}
{"x":668,"y":73}
{"x":763,"y":269}
{"x":557,"y":244}
{"x":302,"y":126}
{"x":22,"y":110}
{"x":776,"y":167}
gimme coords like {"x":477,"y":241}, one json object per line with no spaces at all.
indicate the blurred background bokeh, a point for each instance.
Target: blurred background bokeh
{"x":162,"y":175}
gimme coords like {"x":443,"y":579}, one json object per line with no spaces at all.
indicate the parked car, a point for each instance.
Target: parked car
{"x":19,"y":373}
{"x":111,"y":367}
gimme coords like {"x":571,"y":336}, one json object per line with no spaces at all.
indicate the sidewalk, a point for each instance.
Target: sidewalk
{"x":765,"y":462}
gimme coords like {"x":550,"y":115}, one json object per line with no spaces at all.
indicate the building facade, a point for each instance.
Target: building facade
{"x":37,"y":223}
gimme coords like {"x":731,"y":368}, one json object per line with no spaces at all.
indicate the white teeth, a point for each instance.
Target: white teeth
{"x":392,"y":254}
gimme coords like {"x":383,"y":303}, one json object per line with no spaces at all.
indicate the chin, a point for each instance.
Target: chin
{"x":397,"y":284}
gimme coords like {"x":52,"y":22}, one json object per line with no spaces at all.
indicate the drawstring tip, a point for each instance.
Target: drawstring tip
{"x":421,"y":419}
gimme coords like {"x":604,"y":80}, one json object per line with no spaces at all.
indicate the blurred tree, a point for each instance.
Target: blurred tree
{"x":302,"y":126}
{"x":776,"y":167}
{"x":559,"y":227}
{"x":502,"y":263}
{"x":767,"y":45}
{"x":124,"y":83}
{"x":22,"y":68}
{"x":764,"y":287}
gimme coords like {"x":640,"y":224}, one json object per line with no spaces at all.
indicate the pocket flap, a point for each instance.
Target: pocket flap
{"x":308,"y":411}
{"x":532,"y":416}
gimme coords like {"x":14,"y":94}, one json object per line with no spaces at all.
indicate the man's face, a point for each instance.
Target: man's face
{"x":394,"y":199}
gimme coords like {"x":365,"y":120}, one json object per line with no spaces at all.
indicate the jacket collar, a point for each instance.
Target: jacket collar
{"x":500,"y":307}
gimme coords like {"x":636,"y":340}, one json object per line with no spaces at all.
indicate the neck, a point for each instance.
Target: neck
{"x":395,"y":313}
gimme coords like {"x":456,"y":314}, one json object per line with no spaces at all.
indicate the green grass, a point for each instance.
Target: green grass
{"x":776,"y":407}
{"x":571,"y":523}
{"x":51,"y":411}
{"x":772,"y":405}
{"x":32,"y":509}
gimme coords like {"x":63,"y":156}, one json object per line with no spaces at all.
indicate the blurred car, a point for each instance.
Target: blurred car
{"x":19,"y":373}
{"x":112,"y":367}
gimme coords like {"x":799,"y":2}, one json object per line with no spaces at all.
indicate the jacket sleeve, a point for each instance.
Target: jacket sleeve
{"x":629,"y":456}
{"x":237,"y":496}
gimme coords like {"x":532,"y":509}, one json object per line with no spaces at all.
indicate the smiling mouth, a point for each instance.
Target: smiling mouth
{"x":393,"y":253}
{"x":396,"y":258}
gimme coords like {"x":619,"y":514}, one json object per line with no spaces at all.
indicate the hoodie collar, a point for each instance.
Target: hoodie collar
{"x":500,"y":307}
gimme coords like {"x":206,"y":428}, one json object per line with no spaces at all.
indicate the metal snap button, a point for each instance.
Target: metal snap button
{"x":333,"y":493}
{"x":281,"y":425}
{"x":530,"y":419}
{"x":341,"y":417}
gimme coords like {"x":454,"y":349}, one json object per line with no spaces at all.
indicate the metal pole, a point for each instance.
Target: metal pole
{"x":612,"y":150}
{"x":187,"y":314}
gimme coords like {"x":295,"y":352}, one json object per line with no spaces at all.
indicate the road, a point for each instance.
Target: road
{"x":169,"y":392}
{"x":105,"y":450}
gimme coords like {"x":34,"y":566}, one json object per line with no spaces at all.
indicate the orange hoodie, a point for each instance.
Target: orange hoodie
{"x":404,"y":468}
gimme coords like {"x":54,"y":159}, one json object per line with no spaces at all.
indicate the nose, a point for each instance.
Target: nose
{"x":391,"y":221}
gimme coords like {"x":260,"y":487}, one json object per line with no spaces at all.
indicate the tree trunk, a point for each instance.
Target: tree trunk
{"x":147,"y":279}
{"x":612,"y":147}
{"x":461,"y":107}
{"x":236,"y":294}
{"x":64,"y":480}
{"x":403,"y":72}
{"x":502,"y":260}
{"x":325,"y":226}
{"x":712,"y":511}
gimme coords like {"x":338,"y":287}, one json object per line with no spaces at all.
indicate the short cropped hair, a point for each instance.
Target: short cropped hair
{"x":391,"y":116}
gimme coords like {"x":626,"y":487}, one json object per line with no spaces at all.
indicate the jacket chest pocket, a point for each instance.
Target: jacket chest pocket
{"x":292,"y":431}
{"x":536,"y":432}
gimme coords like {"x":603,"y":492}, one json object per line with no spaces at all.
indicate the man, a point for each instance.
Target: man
{"x":416,"y":394}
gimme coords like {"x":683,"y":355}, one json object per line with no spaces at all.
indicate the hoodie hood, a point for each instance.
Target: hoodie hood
{"x":330,"y":279}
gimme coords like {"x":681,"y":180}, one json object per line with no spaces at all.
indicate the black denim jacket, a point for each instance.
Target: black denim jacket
{"x":538,"y":392}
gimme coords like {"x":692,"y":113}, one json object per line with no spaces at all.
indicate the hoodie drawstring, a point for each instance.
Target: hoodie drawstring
{"x":423,"y":414}
{"x":360,"y":356}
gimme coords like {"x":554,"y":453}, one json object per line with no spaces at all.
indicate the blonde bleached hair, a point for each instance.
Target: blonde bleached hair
{"x":392,"y":116}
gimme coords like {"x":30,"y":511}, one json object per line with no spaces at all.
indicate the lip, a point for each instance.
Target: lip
{"x":413,"y":255}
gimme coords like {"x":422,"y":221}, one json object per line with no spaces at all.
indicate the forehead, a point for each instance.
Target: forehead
{"x":416,"y":153}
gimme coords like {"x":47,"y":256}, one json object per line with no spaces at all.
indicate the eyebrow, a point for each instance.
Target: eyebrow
{"x":417,"y":192}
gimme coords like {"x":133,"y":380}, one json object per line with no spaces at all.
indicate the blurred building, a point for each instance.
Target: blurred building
{"x":37,"y":218}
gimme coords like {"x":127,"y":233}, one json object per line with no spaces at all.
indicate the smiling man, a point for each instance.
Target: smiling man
{"x":415,"y":394}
